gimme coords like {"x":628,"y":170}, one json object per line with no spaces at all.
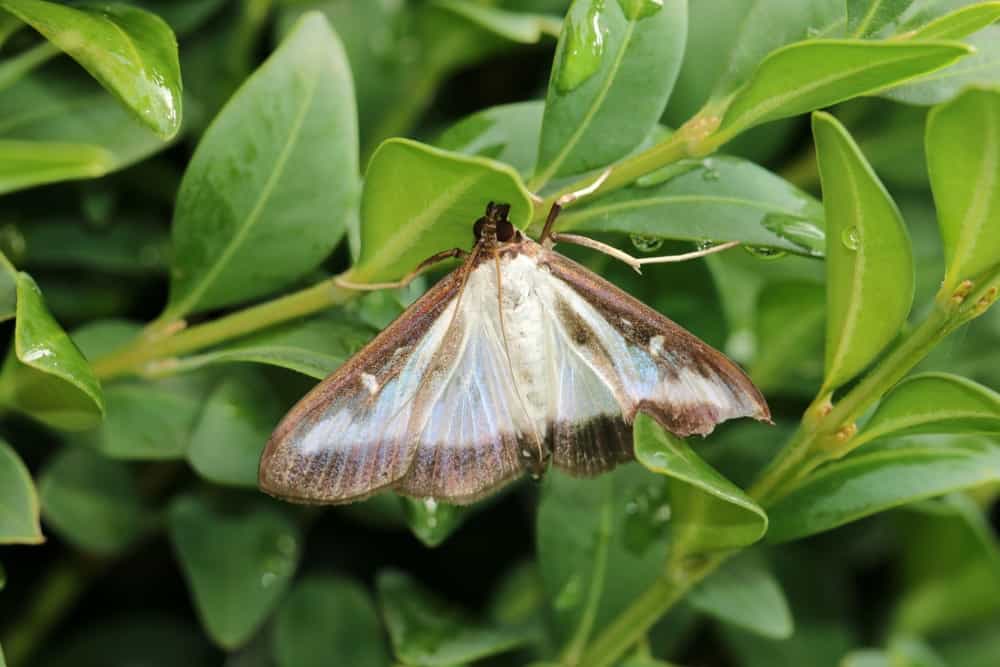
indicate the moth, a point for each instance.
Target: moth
{"x":517,"y":360}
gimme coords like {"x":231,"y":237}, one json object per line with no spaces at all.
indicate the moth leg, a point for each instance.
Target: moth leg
{"x":566,"y":200}
{"x":636,"y":262}
{"x":409,"y":277}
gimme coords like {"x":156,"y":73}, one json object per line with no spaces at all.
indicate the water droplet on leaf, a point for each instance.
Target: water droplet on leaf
{"x":646,"y":243}
{"x":584,"y":46}
{"x":645,"y":516}
{"x":851,"y":238}
{"x":764,"y":252}
{"x":800,"y":231}
{"x":710,"y":173}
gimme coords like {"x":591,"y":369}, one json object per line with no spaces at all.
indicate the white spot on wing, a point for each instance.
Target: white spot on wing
{"x":656,"y":346}
{"x":370,"y":383}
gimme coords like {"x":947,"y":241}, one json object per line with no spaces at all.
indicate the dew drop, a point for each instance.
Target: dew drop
{"x":851,"y":238}
{"x":764,"y":252}
{"x":584,"y":47}
{"x":646,"y":243}
{"x":709,"y":172}
{"x":704,"y":244}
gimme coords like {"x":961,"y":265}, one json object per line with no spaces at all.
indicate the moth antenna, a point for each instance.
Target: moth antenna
{"x":569,"y":198}
{"x":635,"y":262}
{"x":408,"y":278}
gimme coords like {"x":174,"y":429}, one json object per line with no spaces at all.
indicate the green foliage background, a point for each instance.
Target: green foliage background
{"x":183,"y":183}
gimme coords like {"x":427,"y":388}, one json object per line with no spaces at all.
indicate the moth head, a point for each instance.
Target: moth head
{"x":494,"y":226}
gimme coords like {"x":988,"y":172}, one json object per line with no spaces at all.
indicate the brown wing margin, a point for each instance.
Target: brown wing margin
{"x":687,"y":350}
{"x":344,"y":476}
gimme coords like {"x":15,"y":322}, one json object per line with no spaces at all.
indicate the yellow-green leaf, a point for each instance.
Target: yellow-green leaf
{"x":18,"y":501}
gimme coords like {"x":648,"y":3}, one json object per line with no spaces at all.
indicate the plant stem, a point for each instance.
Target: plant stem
{"x":152,"y":346}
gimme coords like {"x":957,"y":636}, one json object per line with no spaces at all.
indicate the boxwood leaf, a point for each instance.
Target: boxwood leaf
{"x":601,"y":543}
{"x":269,"y":189}
{"x":131,"y":247}
{"x":8,"y":289}
{"x":323,"y":617}
{"x":427,"y":632}
{"x":236,"y":420}
{"x":52,"y":122}
{"x":957,"y":24}
{"x":869,"y":261}
{"x":745,"y":593}
{"x":520,"y":27}
{"x":237,"y":565}
{"x":614,"y":68}
{"x":445,"y":194}
{"x":868,"y":483}
{"x":93,"y":502}
{"x":431,"y":521}
{"x":867,"y":17}
{"x":982,"y":68}
{"x":315,"y":347}
{"x":814,"y":74}
{"x":708,"y":512}
{"x":716,"y":199}
{"x":934,"y":403}
{"x":18,"y":501}
{"x":46,"y":376}
{"x":963,"y":159}
{"x":132,"y":52}
{"x":3,"y":663}
{"x":788,"y":343}
{"x":506,"y":133}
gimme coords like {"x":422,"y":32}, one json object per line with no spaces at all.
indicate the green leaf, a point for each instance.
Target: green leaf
{"x":789,"y":328}
{"x":867,"y":17}
{"x":68,"y":128}
{"x":614,"y":68}
{"x":814,"y":74}
{"x":269,"y":189}
{"x":18,"y":501}
{"x":507,"y":133}
{"x":427,"y":632}
{"x":869,"y":267}
{"x":93,"y":502}
{"x":745,"y":593}
{"x":315,"y":347}
{"x":601,"y":543}
{"x":445,"y":194}
{"x":518,"y":27}
{"x":708,"y":512}
{"x":126,"y":248}
{"x":131,"y":52}
{"x":982,"y":68}
{"x":184,"y":16}
{"x":716,"y":199}
{"x":432,"y":522}
{"x":3,"y":663}
{"x":46,"y":376}
{"x":963,"y":159}
{"x":237,"y":565}
{"x":326,"y":618}
{"x":934,"y":403}
{"x":957,"y":24}
{"x":868,"y":483}
{"x":8,"y":289}
{"x":237,"y":418}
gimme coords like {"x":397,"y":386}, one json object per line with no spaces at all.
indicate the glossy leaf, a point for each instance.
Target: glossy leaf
{"x":267,"y":194}
{"x":18,"y":501}
{"x":868,"y":483}
{"x":133,"y":53}
{"x":507,"y":133}
{"x":8,"y":289}
{"x":601,"y":543}
{"x":515,"y":26}
{"x":315,"y":347}
{"x":790,"y":318}
{"x":326,"y":618}
{"x":957,"y":24}
{"x":445,"y":194}
{"x":128,"y":248}
{"x":982,"y":68}
{"x":66,"y":128}
{"x":745,"y":593}
{"x":236,"y":420}
{"x":867,"y":17}
{"x":427,"y":632}
{"x":93,"y":502}
{"x":615,"y":65}
{"x":716,"y":199}
{"x":708,"y":512}
{"x":237,"y":565}
{"x":432,"y":522}
{"x":934,"y":403}
{"x":963,"y":159}
{"x":46,"y":376}
{"x":870,"y":272}
{"x":814,"y":74}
